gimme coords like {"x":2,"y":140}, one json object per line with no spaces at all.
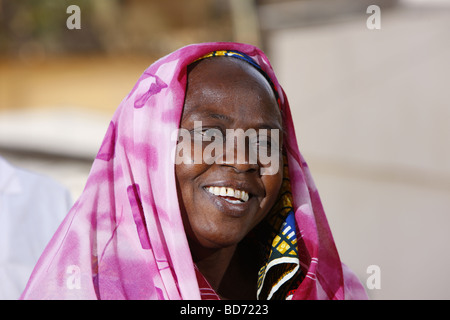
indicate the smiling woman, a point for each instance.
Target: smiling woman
{"x":149,"y":227}
{"x":215,"y":216}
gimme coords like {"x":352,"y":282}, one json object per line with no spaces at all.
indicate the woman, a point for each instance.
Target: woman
{"x":156,"y":221}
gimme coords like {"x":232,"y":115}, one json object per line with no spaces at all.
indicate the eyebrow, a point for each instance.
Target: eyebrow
{"x":219,"y":117}
{"x":208,"y":114}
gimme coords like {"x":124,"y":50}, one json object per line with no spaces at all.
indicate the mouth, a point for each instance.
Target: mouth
{"x":229,"y":194}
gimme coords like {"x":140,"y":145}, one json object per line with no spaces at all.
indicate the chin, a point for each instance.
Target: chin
{"x":218,"y":241}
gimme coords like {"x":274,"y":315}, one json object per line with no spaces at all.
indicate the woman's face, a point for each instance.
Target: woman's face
{"x":227,"y":93}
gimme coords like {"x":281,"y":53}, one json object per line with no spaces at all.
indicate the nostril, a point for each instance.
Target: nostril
{"x":242,"y":168}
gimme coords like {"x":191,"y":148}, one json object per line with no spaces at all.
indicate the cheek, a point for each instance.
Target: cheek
{"x":185,"y":175}
{"x":188,"y":185}
{"x":272,"y":185}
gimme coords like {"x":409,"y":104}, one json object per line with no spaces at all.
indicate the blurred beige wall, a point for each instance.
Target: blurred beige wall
{"x":372,"y":113}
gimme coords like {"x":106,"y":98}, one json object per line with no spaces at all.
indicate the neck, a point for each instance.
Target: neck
{"x":232,"y":271}
{"x":213,"y":263}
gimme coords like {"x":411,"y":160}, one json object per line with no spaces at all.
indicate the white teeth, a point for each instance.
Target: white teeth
{"x":229,"y":192}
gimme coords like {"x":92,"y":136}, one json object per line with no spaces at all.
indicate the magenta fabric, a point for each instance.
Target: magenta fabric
{"x":124,"y":237}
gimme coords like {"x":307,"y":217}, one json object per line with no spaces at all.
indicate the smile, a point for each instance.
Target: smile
{"x":231,"y":195}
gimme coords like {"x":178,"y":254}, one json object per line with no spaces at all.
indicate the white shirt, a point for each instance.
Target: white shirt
{"x":31,"y":208}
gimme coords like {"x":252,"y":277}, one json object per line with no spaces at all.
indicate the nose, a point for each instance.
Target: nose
{"x":239,"y":155}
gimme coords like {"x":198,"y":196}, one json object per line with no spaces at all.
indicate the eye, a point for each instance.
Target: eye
{"x":206,"y":134}
{"x":263,"y":140}
{"x":266,"y":142}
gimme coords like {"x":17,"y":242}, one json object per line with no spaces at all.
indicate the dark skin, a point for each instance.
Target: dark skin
{"x":227,"y":93}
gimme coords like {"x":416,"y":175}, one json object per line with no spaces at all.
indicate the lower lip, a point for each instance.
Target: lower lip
{"x":232,"y":209}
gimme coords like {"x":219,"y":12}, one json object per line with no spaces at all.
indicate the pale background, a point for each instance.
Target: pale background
{"x":371,"y":107}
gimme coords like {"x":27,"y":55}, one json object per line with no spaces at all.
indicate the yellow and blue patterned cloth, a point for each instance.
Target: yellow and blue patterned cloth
{"x":281,"y":271}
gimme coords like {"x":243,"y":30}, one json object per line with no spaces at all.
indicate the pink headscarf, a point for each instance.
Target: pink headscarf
{"x":124,"y":237}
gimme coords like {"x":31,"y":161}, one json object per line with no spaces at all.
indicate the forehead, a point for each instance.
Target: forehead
{"x":223,"y":69}
{"x":230,"y":87}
